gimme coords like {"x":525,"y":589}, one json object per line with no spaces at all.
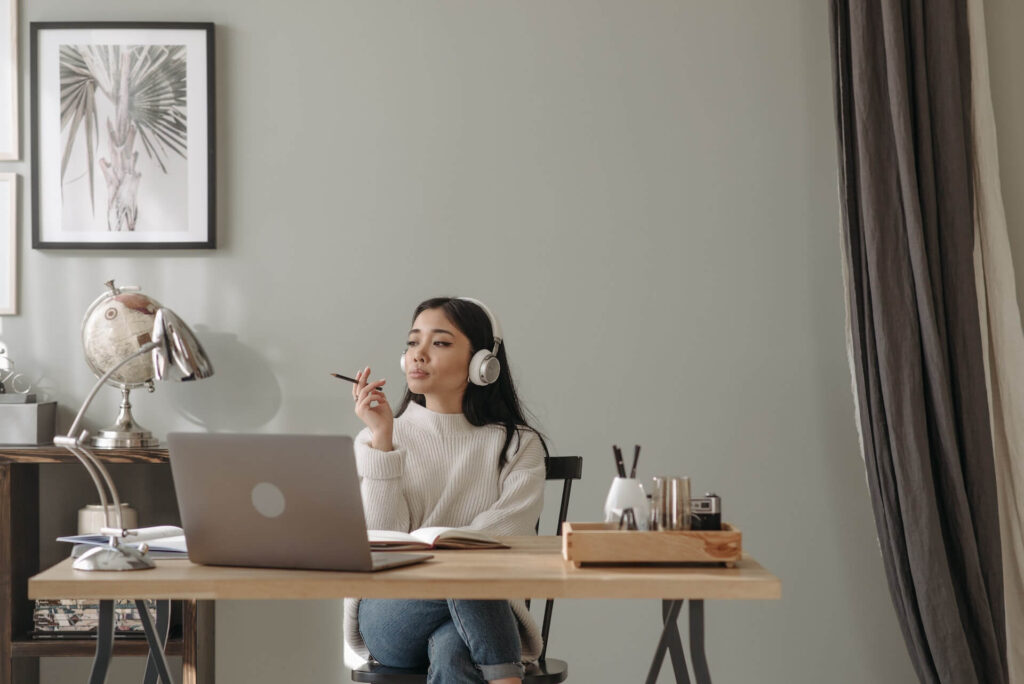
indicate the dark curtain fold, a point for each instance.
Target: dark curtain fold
{"x":902,"y":95}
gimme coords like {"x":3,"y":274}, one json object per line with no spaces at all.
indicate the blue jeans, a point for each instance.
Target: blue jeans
{"x":458,"y":641}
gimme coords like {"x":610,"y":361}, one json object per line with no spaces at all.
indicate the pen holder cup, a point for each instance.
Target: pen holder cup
{"x":626,"y":492}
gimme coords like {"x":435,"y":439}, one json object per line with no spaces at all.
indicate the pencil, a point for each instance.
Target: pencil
{"x":354,"y":381}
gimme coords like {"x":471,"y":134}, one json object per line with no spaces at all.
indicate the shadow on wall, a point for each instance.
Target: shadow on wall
{"x":242,"y":393}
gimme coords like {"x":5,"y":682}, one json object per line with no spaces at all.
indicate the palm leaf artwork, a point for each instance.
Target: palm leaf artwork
{"x":145,"y":84}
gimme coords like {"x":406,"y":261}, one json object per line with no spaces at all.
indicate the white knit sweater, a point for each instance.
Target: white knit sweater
{"x":444,"y":472}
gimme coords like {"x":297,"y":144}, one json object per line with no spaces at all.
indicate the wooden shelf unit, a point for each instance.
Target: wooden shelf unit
{"x":19,"y":560}
{"x":27,"y":647}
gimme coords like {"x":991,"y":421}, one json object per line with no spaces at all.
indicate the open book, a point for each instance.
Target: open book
{"x":432,"y":538}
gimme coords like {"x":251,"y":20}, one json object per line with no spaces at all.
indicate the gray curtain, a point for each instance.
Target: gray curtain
{"x":902,"y":96}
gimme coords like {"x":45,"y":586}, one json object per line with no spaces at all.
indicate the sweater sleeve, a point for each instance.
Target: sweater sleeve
{"x":381,"y":485}
{"x":522,"y":490}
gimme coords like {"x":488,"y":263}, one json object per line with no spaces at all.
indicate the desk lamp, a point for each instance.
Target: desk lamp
{"x":176,"y":355}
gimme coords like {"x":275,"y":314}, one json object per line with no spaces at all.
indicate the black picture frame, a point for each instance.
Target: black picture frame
{"x":152,"y":151}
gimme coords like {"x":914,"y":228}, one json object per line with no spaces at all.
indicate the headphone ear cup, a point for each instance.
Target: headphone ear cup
{"x":490,"y":369}
{"x":403,"y":362}
{"x":474,"y":367}
{"x":484,"y":368}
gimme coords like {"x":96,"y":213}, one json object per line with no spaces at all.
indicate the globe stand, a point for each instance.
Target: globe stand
{"x":125,"y":433}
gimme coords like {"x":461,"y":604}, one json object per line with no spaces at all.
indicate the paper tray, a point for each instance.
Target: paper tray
{"x":589,"y":543}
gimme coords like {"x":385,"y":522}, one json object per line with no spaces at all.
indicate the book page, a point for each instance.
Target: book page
{"x":456,"y":538}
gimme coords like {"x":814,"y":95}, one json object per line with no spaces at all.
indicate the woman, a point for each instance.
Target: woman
{"x":458,"y":453}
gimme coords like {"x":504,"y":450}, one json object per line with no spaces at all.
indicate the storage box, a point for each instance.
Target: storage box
{"x":602,"y":543}
{"x":27,"y":424}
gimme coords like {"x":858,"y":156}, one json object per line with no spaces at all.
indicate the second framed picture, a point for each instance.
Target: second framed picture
{"x":122,"y":135}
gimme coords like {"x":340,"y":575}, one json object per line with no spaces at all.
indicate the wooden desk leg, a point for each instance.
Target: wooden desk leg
{"x":19,"y":560}
{"x":199,"y":637}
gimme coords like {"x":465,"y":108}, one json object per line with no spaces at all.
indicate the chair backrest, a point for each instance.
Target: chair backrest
{"x":566,"y":469}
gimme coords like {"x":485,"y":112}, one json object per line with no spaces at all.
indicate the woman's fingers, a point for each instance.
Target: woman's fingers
{"x":358,"y":385}
{"x":366,"y":402}
{"x":374,"y":386}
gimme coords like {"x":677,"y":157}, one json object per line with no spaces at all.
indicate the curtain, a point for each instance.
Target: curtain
{"x":1003,"y":340}
{"x":902,"y":75}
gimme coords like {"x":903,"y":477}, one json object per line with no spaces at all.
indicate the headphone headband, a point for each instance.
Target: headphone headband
{"x":495,"y":325}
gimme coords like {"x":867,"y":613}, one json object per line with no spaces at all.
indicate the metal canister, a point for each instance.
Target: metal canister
{"x":670,"y":503}
{"x":678,"y":509}
{"x":659,"y":510}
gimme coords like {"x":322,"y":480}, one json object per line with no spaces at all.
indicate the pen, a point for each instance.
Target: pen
{"x":636,"y":457}
{"x":619,"y":465}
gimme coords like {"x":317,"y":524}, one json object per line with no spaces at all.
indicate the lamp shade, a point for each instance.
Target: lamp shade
{"x":178,"y":354}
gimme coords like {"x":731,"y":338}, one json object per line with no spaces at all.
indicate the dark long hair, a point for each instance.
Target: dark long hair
{"x":494,"y":404}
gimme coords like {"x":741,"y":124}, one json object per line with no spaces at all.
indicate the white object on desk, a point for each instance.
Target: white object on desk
{"x":93,"y":517}
{"x":626,"y":492}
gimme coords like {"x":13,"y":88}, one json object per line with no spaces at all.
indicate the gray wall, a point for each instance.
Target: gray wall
{"x":644,"y":192}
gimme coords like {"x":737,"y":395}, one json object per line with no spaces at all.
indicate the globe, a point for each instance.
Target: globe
{"x":114,"y":327}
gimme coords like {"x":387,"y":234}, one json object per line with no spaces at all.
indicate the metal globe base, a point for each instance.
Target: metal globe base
{"x":125,"y":433}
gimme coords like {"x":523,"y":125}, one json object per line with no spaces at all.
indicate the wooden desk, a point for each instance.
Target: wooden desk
{"x":532,"y":567}
{"x":19,"y":560}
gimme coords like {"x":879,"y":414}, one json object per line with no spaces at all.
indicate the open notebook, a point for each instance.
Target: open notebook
{"x":432,"y":538}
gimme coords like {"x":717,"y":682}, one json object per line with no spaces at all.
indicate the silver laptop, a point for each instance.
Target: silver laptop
{"x":273,"y":501}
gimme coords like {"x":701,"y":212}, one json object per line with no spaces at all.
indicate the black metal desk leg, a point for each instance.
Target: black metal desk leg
{"x":675,"y":644}
{"x":104,"y":643}
{"x":156,"y":648}
{"x":163,"y":628}
{"x":700,"y":660}
{"x":670,"y":642}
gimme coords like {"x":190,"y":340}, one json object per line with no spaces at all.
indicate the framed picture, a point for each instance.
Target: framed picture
{"x":122,"y":135}
{"x":8,"y":243}
{"x":9,"y":80}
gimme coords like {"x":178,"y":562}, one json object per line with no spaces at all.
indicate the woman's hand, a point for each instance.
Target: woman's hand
{"x":373,"y":408}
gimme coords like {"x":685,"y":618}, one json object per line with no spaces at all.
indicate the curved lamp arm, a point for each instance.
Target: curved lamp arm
{"x":75,"y":443}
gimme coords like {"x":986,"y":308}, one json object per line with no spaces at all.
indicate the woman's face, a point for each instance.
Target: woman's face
{"x":437,"y":356}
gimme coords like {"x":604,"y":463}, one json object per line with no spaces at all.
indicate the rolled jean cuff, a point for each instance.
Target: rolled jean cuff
{"x":502,"y":670}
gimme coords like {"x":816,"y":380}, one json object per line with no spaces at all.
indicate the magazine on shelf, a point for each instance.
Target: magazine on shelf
{"x":432,"y":538}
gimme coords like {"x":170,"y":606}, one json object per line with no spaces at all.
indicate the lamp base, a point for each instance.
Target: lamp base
{"x":113,"y":558}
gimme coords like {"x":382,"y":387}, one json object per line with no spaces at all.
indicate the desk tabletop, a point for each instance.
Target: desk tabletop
{"x":533,"y":566}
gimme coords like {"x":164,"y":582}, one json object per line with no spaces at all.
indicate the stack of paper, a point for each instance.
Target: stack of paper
{"x":165,"y":541}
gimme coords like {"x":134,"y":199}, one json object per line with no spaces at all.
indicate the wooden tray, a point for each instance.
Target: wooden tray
{"x":589,"y":543}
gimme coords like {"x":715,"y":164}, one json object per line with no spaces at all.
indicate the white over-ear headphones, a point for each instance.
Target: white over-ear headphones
{"x":484,"y":367}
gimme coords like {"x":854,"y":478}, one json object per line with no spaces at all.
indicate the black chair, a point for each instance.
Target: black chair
{"x":544,"y":671}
